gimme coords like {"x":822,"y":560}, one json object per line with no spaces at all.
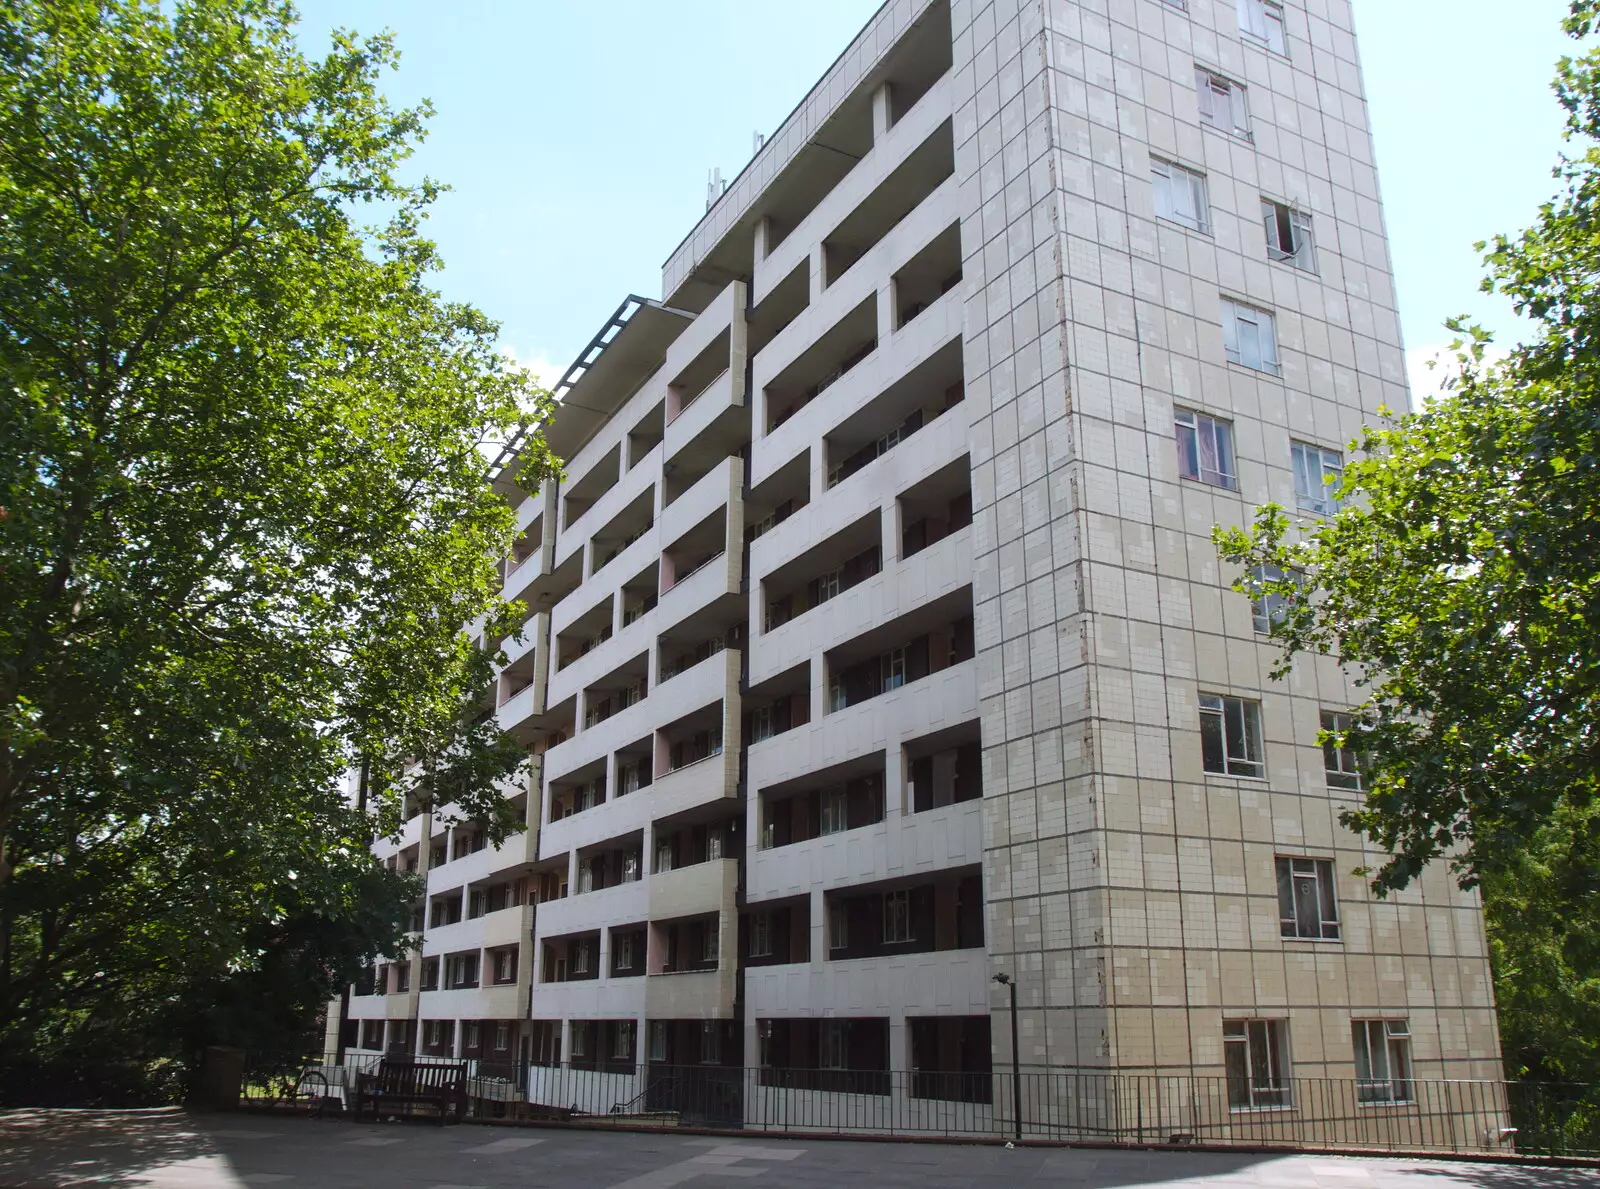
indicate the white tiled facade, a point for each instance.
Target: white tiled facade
{"x":889,"y":481}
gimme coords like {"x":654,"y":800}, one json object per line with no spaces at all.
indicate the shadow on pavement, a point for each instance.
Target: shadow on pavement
{"x":1508,"y":1176}
{"x":66,"y":1147}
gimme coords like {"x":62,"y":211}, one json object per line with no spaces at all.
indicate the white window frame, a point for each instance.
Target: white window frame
{"x":761,"y":724}
{"x":434,"y":1037}
{"x":713,"y":845}
{"x":711,"y":940}
{"x":1223,"y":103}
{"x":1256,"y":1060}
{"x":1194,"y":431}
{"x":833,"y":1048}
{"x":1317,"y":475}
{"x":834,"y":815}
{"x":1180,"y":195}
{"x":710,"y":1042}
{"x":1261,"y":21}
{"x":1308,"y":899}
{"x":761,"y":934}
{"x":471,"y":1034}
{"x":1268,"y":608}
{"x":897,"y":917}
{"x":578,"y":1041}
{"x":1279,"y":219}
{"x":1383,"y":1061}
{"x":838,"y":926}
{"x":658,"y":1040}
{"x":622,"y":1041}
{"x":578,"y":952}
{"x":622,"y":958}
{"x":502,"y":1037}
{"x":1250,"y":337}
{"x":894,"y":669}
{"x":1341,"y":766}
{"x":1238,"y":723}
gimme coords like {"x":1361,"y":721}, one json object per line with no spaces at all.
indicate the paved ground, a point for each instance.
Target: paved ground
{"x":170,"y":1150}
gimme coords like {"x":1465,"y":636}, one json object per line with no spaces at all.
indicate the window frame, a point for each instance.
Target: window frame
{"x":1247,"y":729}
{"x":1198,"y":427}
{"x":761,"y":933}
{"x":1352,"y":778}
{"x":897,"y":913}
{"x":1394,"y":1084}
{"x":838,"y":926}
{"x":1213,"y":88}
{"x":1320,"y":498}
{"x":1273,"y":32}
{"x":1267,"y":609}
{"x":1237,"y":314}
{"x":1265,"y":1045}
{"x":1293,"y":873}
{"x":1278,"y":217}
{"x":1169,"y":179}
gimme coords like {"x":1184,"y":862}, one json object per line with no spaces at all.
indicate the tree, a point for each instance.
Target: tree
{"x":243,"y":513}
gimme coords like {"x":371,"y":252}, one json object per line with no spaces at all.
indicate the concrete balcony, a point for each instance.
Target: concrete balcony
{"x":524,"y":704}
{"x":941,"y":700}
{"x":716,"y":489}
{"x":900,"y":845}
{"x":711,"y":416}
{"x":458,"y":938}
{"x":469,"y":869}
{"x":503,"y":1002}
{"x":589,"y":911}
{"x":369,"y":1007}
{"x":589,"y":999}
{"x":890,"y":151}
{"x":929,"y":574}
{"x":534,"y":567}
{"x":720,"y":576}
{"x":401,"y":1005}
{"x":597,"y":515}
{"x":908,"y":348}
{"x":695,"y":890}
{"x":509,"y":926}
{"x":945,"y":982}
{"x":693,"y":995}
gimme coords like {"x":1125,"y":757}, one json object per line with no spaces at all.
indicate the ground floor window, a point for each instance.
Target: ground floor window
{"x":950,"y":1058}
{"x":849,"y":1056}
{"x":372,"y":1034}
{"x":1383,"y":1059}
{"x":1256,"y":1056}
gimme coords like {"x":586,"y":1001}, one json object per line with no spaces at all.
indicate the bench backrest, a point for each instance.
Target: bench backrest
{"x":411,"y":1077}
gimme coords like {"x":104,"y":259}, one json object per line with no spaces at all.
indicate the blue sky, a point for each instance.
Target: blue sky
{"x":577,"y":137}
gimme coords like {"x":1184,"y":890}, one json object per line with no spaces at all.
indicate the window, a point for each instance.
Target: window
{"x":1340,"y":761}
{"x":761,"y":724}
{"x":1257,"y":1063}
{"x":624,"y":954}
{"x":835,"y":810}
{"x":833,"y":1044}
{"x":1306,"y":901}
{"x":580,"y":957}
{"x":580,"y":1040}
{"x":622,"y":1041}
{"x":894,"y":669}
{"x":897,"y":917}
{"x":1262,"y":21}
{"x":710,"y":1042}
{"x":1180,"y":195}
{"x":1205,"y":449}
{"x":658,"y":1040}
{"x":434,"y":1034}
{"x":1383,"y":1060}
{"x":1268,"y":607}
{"x":1230,"y":736}
{"x":713,"y":845}
{"x":663,"y":856}
{"x":630,"y":867}
{"x":710,"y":941}
{"x":1317,"y":475}
{"x":502,"y":1037}
{"x":1288,"y":236}
{"x":837,"y":698}
{"x":1222,"y":103}
{"x":372,"y":1034}
{"x":761,"y":935}
{"x":471,"y":1035}
{"x":1250,"y":337}
{"x":402,"y":976}
{"x":838,"y":926}
{"x":505,"y":966}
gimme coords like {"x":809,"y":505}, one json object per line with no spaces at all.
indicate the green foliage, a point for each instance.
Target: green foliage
{"x":243,"y":516}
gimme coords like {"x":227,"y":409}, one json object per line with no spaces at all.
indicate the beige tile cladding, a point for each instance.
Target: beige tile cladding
{"x":1133,"y":895}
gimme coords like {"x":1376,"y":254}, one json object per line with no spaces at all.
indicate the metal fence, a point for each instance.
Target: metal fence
{"x":1068,"y":1106}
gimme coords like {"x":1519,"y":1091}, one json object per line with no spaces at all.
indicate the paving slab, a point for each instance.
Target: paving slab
{"x":169,"y":1149}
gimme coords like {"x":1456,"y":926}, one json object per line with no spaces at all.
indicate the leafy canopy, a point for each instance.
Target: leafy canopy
{"x":243,"y":511}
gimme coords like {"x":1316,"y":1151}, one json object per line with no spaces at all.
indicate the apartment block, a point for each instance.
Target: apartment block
{"x":875,"y":643}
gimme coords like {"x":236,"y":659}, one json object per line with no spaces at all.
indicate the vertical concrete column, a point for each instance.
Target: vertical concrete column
{"x":763,"y":239}
{"x":893,"y":532}
{"x":819,"y":688}
{"x":818,"y":269}
{"x":894,"y":782}
{"x":882,"y":111}
{"x":819,"y":926}
{"x":887,"y":303}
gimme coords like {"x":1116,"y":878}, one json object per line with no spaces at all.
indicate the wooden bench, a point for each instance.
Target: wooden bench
{"x":398,"y":1081}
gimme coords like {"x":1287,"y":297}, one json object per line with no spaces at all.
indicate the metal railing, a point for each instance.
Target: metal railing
{"x":1066,"y":1106}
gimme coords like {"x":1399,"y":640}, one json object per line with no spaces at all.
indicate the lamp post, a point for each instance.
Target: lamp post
{"x":1016,"y":1056}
